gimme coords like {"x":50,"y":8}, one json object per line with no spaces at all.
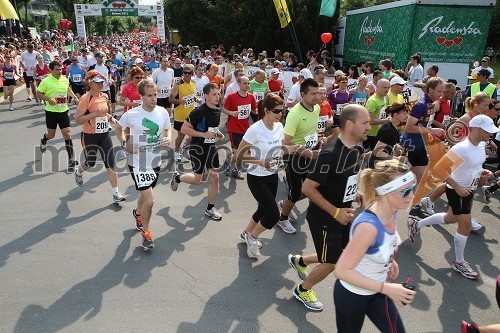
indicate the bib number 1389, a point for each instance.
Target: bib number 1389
{"x":144,"y":178}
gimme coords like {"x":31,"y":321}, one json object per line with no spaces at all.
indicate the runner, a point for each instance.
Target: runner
{"x":183,"y":95}
{"x":164,"y":78}
{"x":9,"y":82}
{"x":233,"y":87}
{"x":330,"y":211}
{"x":41,"y":70}
{"x":54,"y":90}
{"x":465,"y":159}
{"x":259,"y":86}
{"x":338,"y":98}
{"x":114,"y":78}
{"x":369,"y":258}
{"x":238,"y":106}
{"x":28,"y":63}
{"x":414,"y":69}
{"x":360,"y":94}
{"x":274,"y":82}
{"x":76,"y":75}
{"x":295,"y":95}
{"x":376,"y":105}
{"x":261,"y":146}
{"x":201,"y":81}
{"x":149,"y":128}
{"x":394,"y":95}
{"x":325,"y":120}
{"x":202,"y":125}
{"x":130,"y":97}
{"x":92,"y":114}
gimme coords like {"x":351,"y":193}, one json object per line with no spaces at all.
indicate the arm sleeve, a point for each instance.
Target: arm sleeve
{"x":418,"y":111}
{"x":291,"y":124}
{"x":250,"y":135}
{"x":125,"y":121}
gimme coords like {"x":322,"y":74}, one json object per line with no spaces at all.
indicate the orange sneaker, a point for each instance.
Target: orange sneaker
{"x":147,"y":240}
{"x":138,"y":220}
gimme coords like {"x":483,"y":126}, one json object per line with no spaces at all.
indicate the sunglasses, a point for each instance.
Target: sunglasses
{"x":187,"y":73}
{"x":406,"y":192}
{"x":276,"y":111}
{"x":138,"y":77}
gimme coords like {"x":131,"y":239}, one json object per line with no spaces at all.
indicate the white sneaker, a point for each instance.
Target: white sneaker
{"x":427,"y":206}
{"x":177,"y":156}
{"x":286,"y":226}
{"x":213,"y":213}
{"x":476,"y":225}
{"x":252,"y":247}
{"x":292,"y":214}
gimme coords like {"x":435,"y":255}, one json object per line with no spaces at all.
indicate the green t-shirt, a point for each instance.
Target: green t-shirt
{"x":259,"y":90}
{"x":300,"y":123}
{"x":374,"y":105}
{"x":56,"y":89}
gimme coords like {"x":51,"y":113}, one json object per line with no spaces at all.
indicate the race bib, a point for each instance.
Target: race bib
{"x":77,"y":78}
{"x":474,"y":182}
{"x":276,"y":157}
{"x":361,"y":101}
{"x":144,"y":178}
{"x":101,"y":124}
{"x":322,"y":124}
{"x":177,"y":80}
{"x":431,"y":119}
{"x":446,"y":120}
{"x":214,"y":138}
{"x":311,"y":141}
{"x":61,"y":99}
{"x":190,"y":99}
{"x":165,"y":91}
{"x":244,"y":111}
{"x":340,"y":107}
{"x":382,"y":114}
{"x":137,"y":101}
{"x":351,"y":188}
{"x":199,"y":94}
{"x":259,"y":96}
{"x":8,"y":75}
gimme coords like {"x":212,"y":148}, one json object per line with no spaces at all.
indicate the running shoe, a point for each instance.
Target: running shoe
{"x":243,"y":239}
{"x":465,"y":269}
{"x":177,"y":156}
{"x":469,"y":327}
{"x":213,"y":213}
{"x":78,"y":178}
{"x":286,"y":226}
{"x":118,"y":197}
{"x":235,"y":173}
{"x":293,"y":261}
{"x":43,"y":146}
{"x":11,"y":108}
{"x":72,"y":164}
{"x":252,"y":247}
{"x":29,"y":99}
{"x":121,"y":155}
{"x":292,"y":214}
{"x":476,"y":226}
{"x":427,"y":206}
{"x":174,"y":185}
{"x":417,"y":213}
{"x":412,"y":228}
{"x":486,"y":194}
{"x":137,"y":219}
{"x":147,"y":240}
{"x":308,"y":298}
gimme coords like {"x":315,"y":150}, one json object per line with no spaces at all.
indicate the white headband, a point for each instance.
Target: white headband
{"x":394,"y":184}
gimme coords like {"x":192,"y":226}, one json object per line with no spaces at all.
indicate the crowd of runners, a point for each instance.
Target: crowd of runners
{"x":344,"y":140}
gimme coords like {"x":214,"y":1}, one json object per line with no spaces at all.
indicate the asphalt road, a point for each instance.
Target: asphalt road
{"x":71,"y":261}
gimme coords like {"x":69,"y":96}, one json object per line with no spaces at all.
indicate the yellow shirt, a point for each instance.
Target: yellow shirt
{"x":182,"y":111}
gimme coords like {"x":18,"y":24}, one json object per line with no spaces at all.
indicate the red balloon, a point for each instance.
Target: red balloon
{"x":134,"y":51}
{"x":154,"y":40}
{"x":326,"y":37}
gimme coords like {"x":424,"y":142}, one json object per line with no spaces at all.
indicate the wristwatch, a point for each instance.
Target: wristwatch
{"x":124,"y":143}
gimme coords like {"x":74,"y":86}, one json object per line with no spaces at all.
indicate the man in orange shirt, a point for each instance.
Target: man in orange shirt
{"x":213,"y":76}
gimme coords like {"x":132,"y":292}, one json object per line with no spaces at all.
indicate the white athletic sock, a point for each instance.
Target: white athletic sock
{"x":115,"y":190}
{"x":460,"y":242}
{"x":433,"y":219}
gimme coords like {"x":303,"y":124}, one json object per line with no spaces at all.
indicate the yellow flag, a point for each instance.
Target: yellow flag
{"x":283,"y":14}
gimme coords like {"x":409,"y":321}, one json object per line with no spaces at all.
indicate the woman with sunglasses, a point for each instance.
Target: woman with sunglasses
{"x":76,"y":75}
{"x":368,"y":260}
{"x":261,"y":147}
{"x":130,"y":97}
{"x":9,"y":81}
{"x":92,"y":114}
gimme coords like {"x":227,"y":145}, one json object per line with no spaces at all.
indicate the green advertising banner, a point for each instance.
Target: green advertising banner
{"x":378,"y":35}
{"x":450,"y":34}
{"x":120,"y":11}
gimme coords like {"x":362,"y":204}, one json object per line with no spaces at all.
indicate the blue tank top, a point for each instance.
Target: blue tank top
{"x":8,"y":72}
{"x":360,"y":98}
{"x":76,"y":75}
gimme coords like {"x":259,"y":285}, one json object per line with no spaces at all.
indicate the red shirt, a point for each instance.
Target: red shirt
{"x":444,"y":110}
{"x":244,"y":105}
{"x":274,"y":86}
{"x":42,"y":71}
{"x":130,"y":91}
{"x":324,"y":110}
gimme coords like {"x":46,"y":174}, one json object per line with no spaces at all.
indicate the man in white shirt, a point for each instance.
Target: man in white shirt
{"x":414,"y":69}
{"x":233,"y":87}
{"x":101,"y":68}
{"x":28,"y":63}
{"x":201,"y":81}
{"x":163,"y":77}
{"x":485,"y":64}
{"x":294,"y":96}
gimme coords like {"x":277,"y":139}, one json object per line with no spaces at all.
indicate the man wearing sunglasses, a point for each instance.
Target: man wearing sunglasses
{"x":183,"y":95}
{"x":462,"y":168}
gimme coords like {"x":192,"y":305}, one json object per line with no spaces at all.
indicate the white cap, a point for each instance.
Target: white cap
{"x":338,"y":73}
{"x":397,"y":80}
{"x":306,"y":73}
{"x":138,"y":61}
{"x":275,"y":71}
{"x":484,"y":122}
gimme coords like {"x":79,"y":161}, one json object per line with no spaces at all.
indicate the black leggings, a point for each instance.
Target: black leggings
{"x":264,"y":190}
{"x":101,"y":142}
{"x":296,"y":170}
{"x":351,"y":308}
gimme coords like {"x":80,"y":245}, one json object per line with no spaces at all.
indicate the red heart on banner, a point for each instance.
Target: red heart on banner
{"x":440,"y":40}
{"x":458,"y":40}
{"x":372,"y":39}
{"x":448,"y":42}
{"x":367,"y":41}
